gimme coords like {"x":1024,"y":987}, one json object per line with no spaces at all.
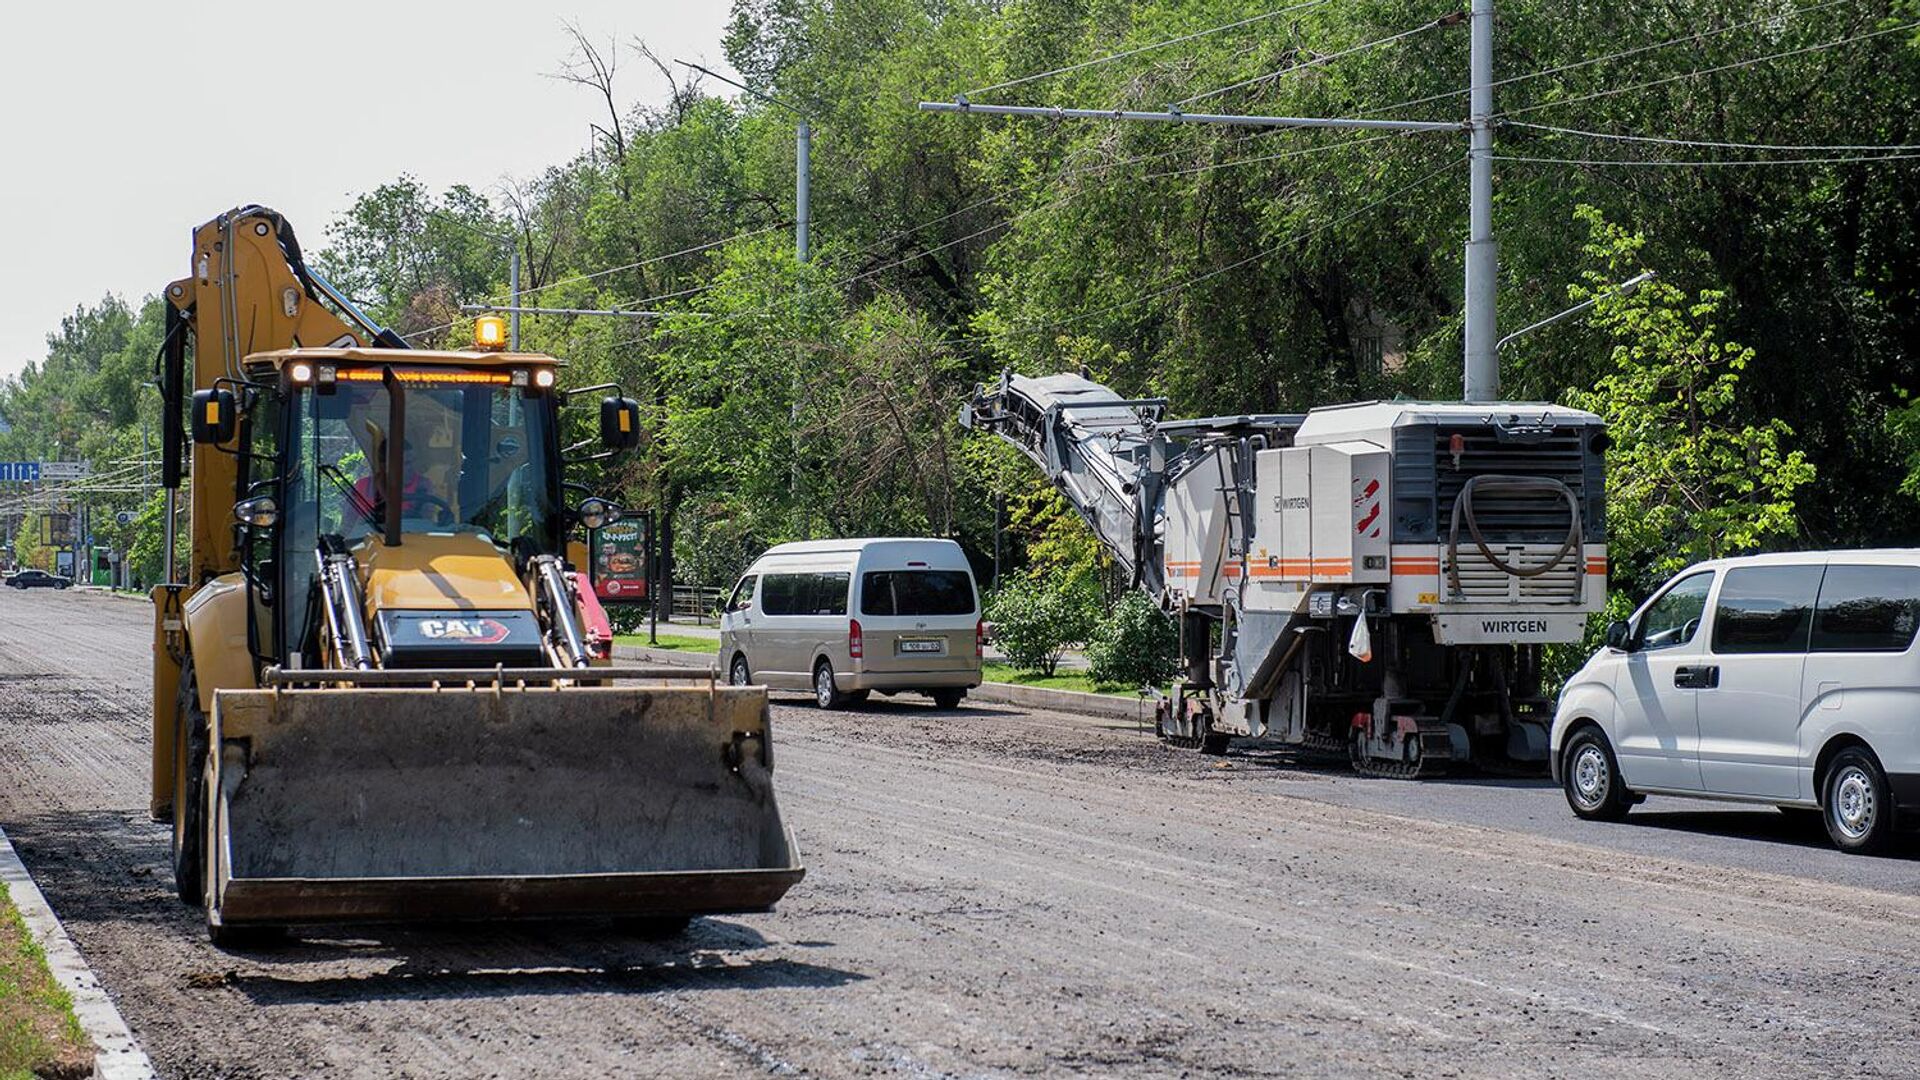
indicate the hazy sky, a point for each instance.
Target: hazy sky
{"x":126,"y":123}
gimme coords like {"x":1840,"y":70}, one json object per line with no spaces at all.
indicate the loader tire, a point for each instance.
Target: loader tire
{"x":190,"y":796}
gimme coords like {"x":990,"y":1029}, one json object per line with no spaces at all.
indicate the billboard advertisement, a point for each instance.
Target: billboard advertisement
{"x":620,"y":561}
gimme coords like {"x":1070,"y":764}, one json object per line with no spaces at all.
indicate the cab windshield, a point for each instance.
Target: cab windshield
{"x":473,"y":456}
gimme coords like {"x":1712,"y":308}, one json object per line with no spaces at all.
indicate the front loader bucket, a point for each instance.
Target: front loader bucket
{"x":376,"y":805}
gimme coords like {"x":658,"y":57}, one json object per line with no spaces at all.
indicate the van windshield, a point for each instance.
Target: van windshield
{"x":917,"y":592}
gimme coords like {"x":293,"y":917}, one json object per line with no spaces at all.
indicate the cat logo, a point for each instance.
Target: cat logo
{"x":473,"y":631}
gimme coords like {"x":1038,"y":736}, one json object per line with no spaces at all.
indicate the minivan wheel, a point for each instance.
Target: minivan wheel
{"x":738,"y":675}
{"x":1592,"y":778}
{"x":825,"y":693}
{"x":1854,"y":803}
{"x":946,"y":699}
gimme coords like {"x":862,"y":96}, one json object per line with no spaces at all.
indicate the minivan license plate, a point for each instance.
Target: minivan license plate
{"x":921,"y":646}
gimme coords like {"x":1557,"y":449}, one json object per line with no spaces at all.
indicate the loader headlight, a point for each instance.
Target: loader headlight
{"x":300,"y":373}
{"x":597,"y":512}
{"x":261,"y":512}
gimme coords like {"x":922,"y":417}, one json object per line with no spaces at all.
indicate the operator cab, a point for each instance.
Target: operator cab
{"x":468,"y":441}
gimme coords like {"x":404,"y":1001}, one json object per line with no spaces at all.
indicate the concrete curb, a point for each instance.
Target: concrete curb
{"x":676,"y":657}
{"x":117,"y":1056}
{"x":1137,"y":710}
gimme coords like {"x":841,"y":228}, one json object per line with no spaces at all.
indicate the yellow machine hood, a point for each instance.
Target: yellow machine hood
{"x":439,"y":572}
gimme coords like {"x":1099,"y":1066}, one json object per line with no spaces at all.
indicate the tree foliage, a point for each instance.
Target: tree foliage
{"x":1135,"y":645}
{"x":1037,"y":616}
{"x":1228,"y":270}
{"x":1691,"y":479}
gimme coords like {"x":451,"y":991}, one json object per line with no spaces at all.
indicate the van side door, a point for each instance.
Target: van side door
{"x":1656,"y":732}
{"x":778,"y":632}
{"x":1750,"y":705}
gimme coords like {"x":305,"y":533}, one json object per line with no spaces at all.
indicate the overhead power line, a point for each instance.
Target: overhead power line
{"x":1189,"y":282}
{"x":1684,"y":39}
{"x":1708,"y":144}
{"x":1056,"y":204}
{"x":694,"y":250}
{"x":1736,"y":65}
{"x":1734,"y":163}
{"x":1445,"y":20}
{"x":1249,"y":21}
{"x":1258,"y":256}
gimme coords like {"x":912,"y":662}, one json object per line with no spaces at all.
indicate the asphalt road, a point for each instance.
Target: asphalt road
{"x":1001,"y":892}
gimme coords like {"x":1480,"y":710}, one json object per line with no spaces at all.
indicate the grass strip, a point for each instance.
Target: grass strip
{"x":1061,"y":679}
{"x":39,"y":1035}
{"x":675,"y":642}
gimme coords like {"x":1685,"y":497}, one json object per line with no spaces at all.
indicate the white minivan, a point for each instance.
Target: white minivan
{"x":1789,"y":679}
{"x":843,"y":618}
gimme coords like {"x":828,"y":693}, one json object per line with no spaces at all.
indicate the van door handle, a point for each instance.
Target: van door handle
{"x":1703,"y":677}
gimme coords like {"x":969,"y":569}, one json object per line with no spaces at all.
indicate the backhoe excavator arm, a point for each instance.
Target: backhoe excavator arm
{"x":251,"y":291}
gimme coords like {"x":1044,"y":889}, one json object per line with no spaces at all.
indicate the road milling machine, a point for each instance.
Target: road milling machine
{"x":381,"y":692}
{"x":1375,"y":580}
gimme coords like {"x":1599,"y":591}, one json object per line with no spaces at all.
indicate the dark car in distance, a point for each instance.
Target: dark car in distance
{"x":38,"y":579}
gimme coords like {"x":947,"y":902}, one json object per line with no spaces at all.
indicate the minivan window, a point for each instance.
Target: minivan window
{"x":805,"y":594}
{"x":742,"y":597}
{"x":1674,"y":619}
{"x":1867,"y":609}
{"x":916,"y":592}
{"x":1765,"y":609}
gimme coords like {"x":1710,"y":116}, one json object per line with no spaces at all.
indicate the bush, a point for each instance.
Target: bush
{"x":1035,"y":618}
{"x":1138,"y":645}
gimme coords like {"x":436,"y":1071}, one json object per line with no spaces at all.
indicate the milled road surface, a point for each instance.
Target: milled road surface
{"x":1001,"y":892}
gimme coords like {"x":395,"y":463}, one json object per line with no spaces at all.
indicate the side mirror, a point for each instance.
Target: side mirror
{"x":260,"y":512}
{"x":1617,"y":636}
{"x":596,"y":512}
{"x":619,"y":423}
{"x":215,"y":415}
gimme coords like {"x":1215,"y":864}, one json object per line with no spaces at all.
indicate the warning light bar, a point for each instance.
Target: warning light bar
{"x":426,"y":375}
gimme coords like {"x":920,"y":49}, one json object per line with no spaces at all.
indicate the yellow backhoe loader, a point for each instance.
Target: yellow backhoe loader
{"x":380,"y":690}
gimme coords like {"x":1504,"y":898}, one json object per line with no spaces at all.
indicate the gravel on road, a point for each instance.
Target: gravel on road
{"x":997,"y":892}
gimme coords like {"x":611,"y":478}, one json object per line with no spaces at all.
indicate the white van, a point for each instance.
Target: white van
{"x":1788,"y":679}
{"x":843,"y":618}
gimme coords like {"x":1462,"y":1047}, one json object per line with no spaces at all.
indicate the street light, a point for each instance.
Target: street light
{"x":1625,"y":288}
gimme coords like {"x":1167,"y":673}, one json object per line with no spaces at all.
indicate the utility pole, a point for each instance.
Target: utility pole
{"x":1481,"y":368}
{"x":513,"y":313}
{"x":802,"y":221}
{"x":802,"y":225}
{"x":1483,"y":253}
{"x":802,"y":180}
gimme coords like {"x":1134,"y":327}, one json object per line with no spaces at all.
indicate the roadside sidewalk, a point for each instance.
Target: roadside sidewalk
{"x":117,"y":1056}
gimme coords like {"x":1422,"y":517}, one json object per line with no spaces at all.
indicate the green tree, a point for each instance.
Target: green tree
{"x":1036,"y":617}
{"x":1688,"y":478}
{"x":1135,"y":645}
